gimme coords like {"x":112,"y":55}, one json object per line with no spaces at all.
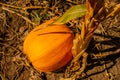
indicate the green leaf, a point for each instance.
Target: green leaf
{"x":72,"y":13}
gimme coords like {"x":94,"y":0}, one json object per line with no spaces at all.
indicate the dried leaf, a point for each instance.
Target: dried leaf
{"x":77,"y":42}
{"x":93,"y":6}
{"x":83,"y":31}
{"x":72,"y":13}
{"x":90,"y":8}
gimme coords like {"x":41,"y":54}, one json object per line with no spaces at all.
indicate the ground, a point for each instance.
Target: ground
{"x":103,"y":61}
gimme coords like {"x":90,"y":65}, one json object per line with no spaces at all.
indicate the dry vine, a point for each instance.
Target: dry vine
{"x":96,"y":12}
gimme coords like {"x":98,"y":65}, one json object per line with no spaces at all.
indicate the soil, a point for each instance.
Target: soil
{"x":103,"y":61}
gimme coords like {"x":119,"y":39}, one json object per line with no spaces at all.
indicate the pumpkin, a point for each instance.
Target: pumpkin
{"x":49,"y":48}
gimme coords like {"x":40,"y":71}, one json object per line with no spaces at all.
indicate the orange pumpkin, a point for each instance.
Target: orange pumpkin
{"x":49,"y":48}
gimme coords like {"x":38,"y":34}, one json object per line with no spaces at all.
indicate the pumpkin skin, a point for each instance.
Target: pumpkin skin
{"x":49,"y":48}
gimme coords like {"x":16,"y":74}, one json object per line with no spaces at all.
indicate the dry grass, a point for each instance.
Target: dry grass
{"x":18,"y":18}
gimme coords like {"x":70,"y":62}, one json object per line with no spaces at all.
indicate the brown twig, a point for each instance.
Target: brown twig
{"x":11,"y":11}
{"x":23,"y":8}
{"x":7,"y":5}
{"x":32,"y":7}
{"x":116,"y":9}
